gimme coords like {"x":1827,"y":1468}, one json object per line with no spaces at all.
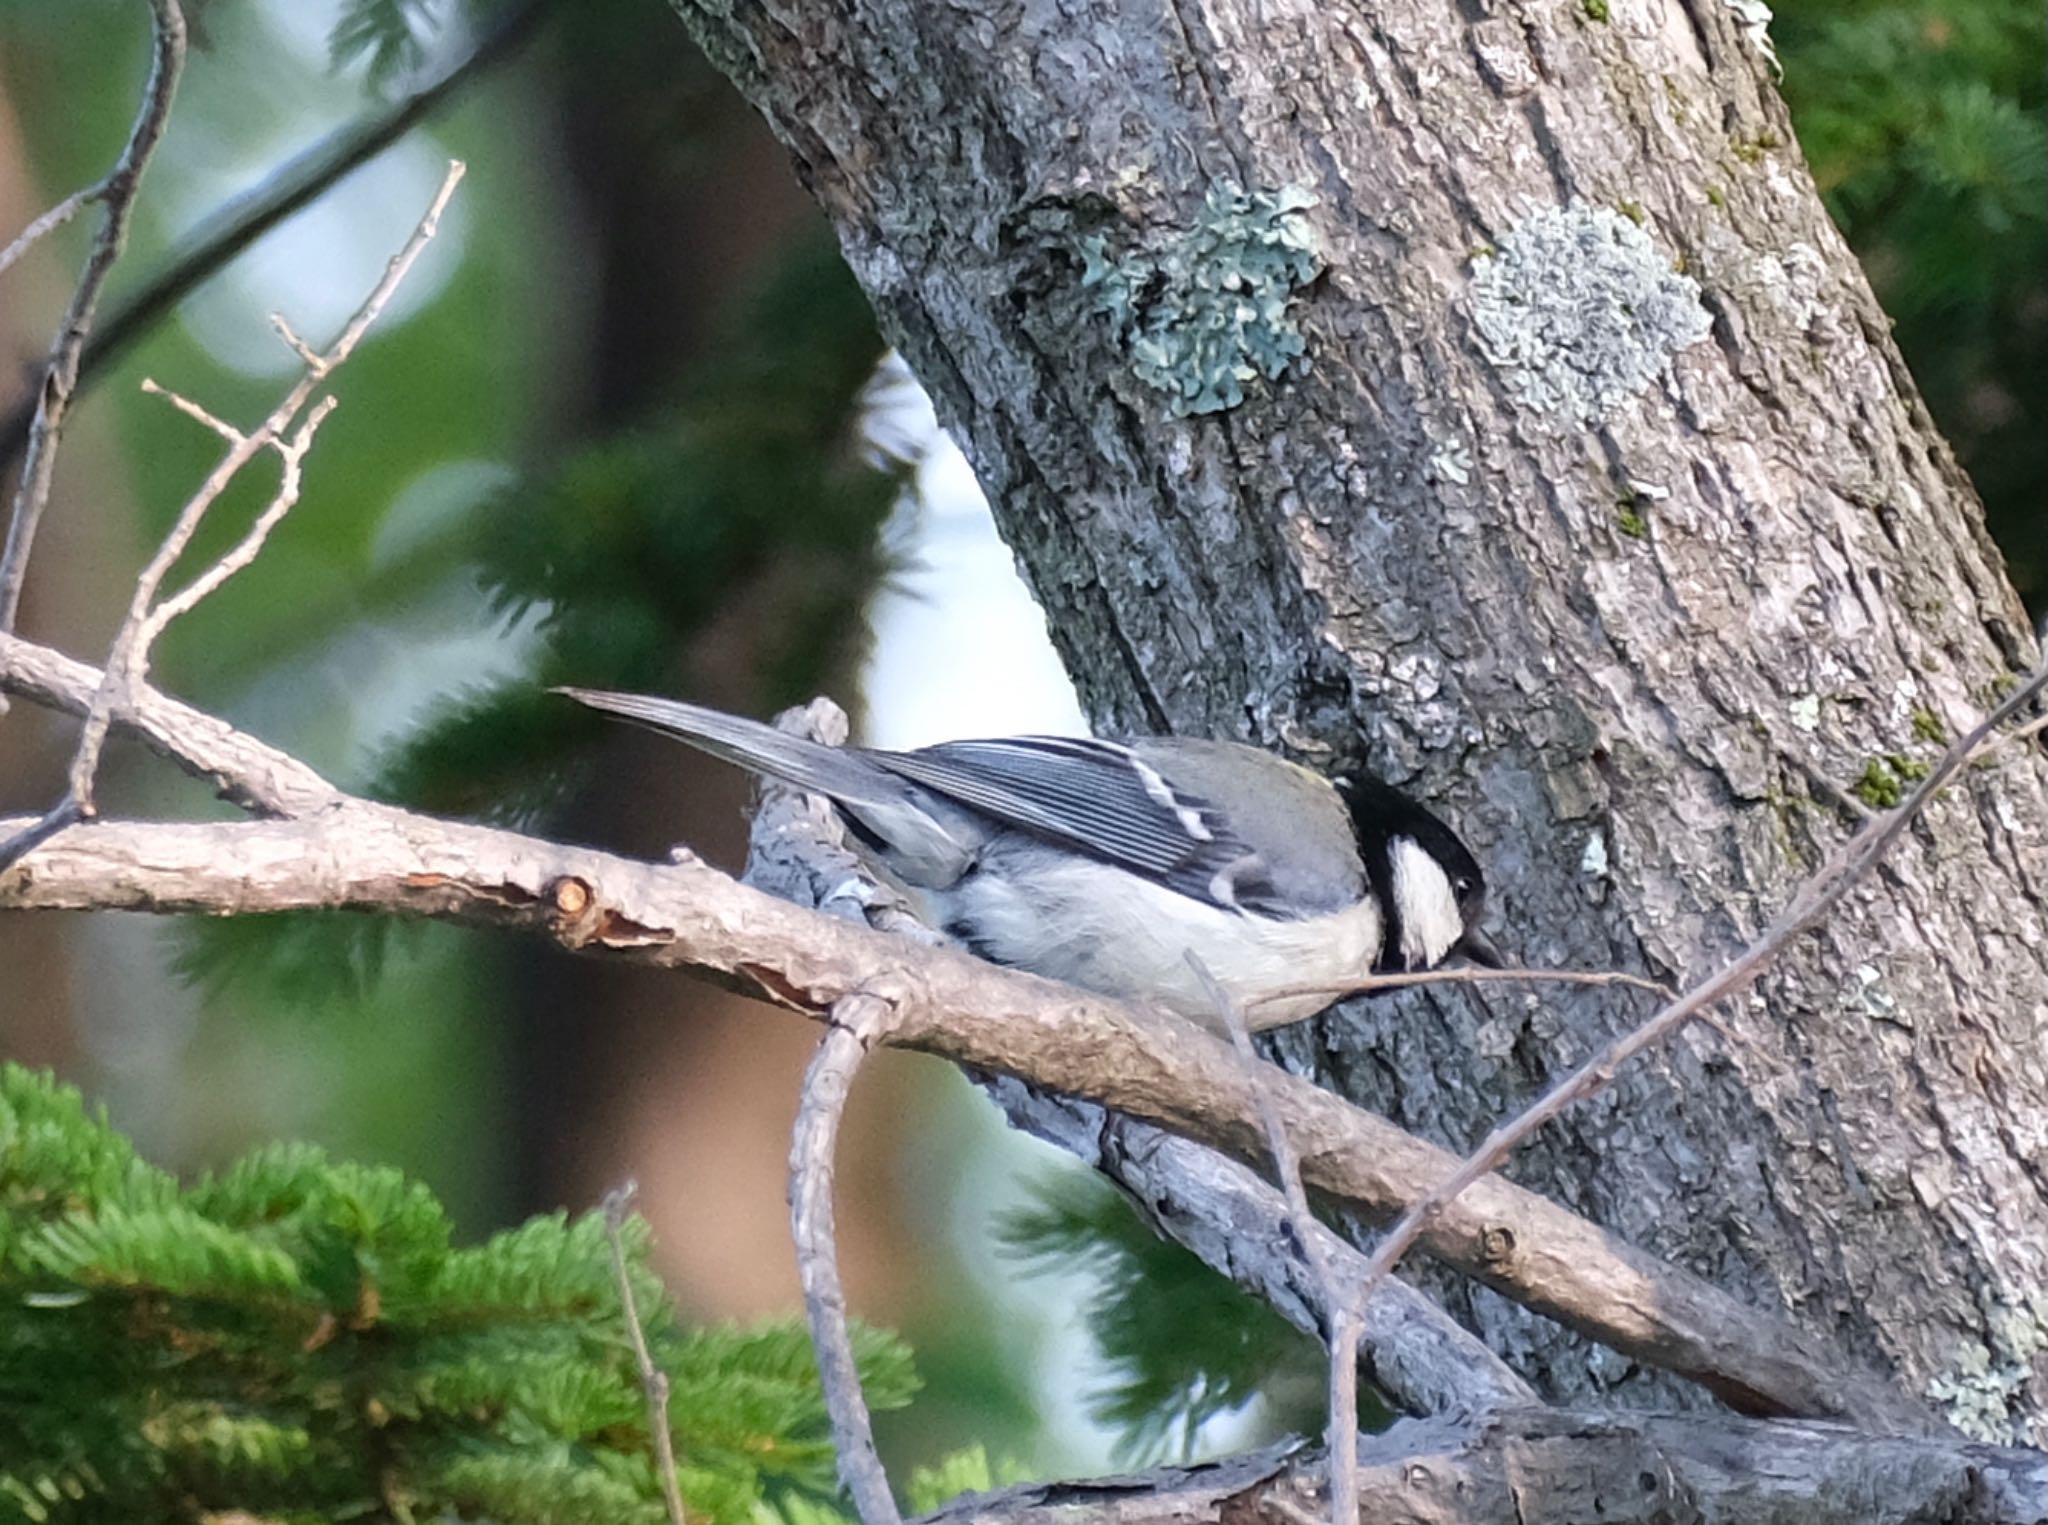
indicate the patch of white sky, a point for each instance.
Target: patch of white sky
{"x":961,"y":649}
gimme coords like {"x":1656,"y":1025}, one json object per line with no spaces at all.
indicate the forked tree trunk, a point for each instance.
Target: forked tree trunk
{"x":1597,"y":502}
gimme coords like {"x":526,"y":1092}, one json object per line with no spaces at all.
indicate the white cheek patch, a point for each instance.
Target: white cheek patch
{"x":1424,"y":902}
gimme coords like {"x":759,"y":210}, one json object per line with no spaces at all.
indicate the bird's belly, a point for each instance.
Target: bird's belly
{"x":1134,"y":944}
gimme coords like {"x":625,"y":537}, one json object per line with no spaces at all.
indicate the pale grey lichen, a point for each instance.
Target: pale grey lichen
{"x":1213,"y":309}
{"x":1978,"y":1394}
{"x":1581,"y":312}
{"x":1754,"y":17}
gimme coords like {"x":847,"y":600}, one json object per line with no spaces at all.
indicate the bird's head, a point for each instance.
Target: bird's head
{"x":1431,"y":893}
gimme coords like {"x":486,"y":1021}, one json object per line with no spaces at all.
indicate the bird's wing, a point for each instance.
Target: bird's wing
{"x":1098,"y":798}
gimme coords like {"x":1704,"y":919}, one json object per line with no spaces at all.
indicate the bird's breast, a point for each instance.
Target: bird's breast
{"x":1131,"y":942}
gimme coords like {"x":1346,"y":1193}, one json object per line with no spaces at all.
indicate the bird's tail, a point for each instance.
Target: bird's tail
{"x":836,"y":772}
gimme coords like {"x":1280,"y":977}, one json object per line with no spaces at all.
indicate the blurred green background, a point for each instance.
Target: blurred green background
{"x":623,"y":428}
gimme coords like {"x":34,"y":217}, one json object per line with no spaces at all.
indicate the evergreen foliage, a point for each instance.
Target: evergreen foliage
{"x":299,"y":1339}
{"x":1183,"y":1344}
{"x":1926,"y":123}
{"x":964,"y":1471}
{"x":389,"y":36}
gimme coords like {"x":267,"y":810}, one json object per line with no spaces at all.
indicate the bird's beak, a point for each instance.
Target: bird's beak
{"x":1478,"y":948}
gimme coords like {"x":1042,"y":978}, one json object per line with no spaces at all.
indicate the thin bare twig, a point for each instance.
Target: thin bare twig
{"x":858,"y":1021}
{"x":1821,"y":893}
{"x":287,"y":433}
{"x":239,"y":222}
{"x":1339,"y":1302}
{"x":60,"y":377}
{"x":618,"y":1202}
{"x":1370,"y":983}
{"x":47,"y":224}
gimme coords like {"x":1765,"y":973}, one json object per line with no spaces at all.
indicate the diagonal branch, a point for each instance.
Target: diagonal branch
{"x":294,"y":185}
{"x":60,"y":376}
{"x":618,"y":1203}
{"x":1819,"y":895}
{"x":240,"y":768}
{"x":47,"y":224}
{"x":1340,"y":1301}
{"x":1223,"y":1213}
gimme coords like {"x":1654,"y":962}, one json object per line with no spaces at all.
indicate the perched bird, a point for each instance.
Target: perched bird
{"x":1102,"y":863}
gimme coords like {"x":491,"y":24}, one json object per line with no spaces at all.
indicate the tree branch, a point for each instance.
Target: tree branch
{"x":857,"y":1023}
{"x":289,"y":431}
{"x":356,"y":854}
{"x":1821,"y":893}
{"x":618,"y":1202}
{"x":1340,"y":1300}
{"x":241,"y":769}
{"x":45,"y":225}
{"x":1563,"y":1466}
{"x":60,"y":376}
{"x":233,"y":227}
{"x":1223,"y":1213}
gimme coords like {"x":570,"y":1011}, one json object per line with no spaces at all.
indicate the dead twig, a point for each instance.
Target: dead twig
{"x":47,"y":224}
{"x":241,"y":220}
{"x":288,"y":431}
{"x":618,"y":1202}
{"x":858,"y":1021}
{"x":1821,"y":893}
{"x":1370,"y":983}
{"x":1339,"y":1302}
{"x":116,"y":194}
{"x":334,"y":851}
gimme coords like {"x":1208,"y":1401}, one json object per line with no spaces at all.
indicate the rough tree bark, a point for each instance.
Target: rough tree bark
{"x":1596,"y":500}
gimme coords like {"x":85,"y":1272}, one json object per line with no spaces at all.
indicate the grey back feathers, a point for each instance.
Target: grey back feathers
{"x":1102,"y":863}
{"x":1105,"y":800}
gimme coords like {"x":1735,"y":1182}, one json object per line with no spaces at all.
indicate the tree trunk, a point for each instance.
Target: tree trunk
{"x":1486,"y":381}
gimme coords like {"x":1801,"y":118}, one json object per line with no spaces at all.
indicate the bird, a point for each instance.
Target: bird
{"x":1104,"y":863}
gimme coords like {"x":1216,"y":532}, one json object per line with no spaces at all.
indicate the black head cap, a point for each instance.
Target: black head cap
{"x":1381,"y":816}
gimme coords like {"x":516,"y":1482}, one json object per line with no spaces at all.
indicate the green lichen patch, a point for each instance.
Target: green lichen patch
{"x":1596,"y":10}
{"x":1878,"y":787}
{"x":1883,"y":781}
{"x":1927,"y":726}
{"x":1215,"y":308}
{"x":1752,"y":150}
{"x":1581,"y":313}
